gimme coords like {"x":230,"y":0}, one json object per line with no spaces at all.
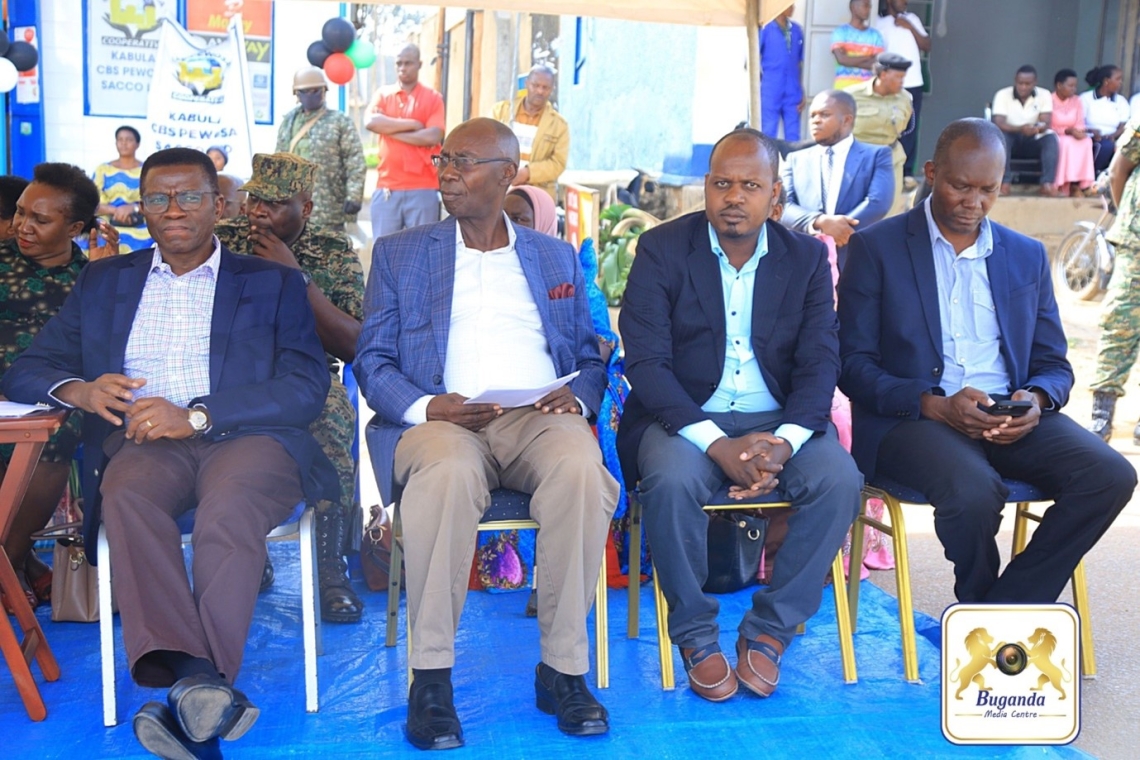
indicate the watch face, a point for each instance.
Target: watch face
{"x":198,"y":419}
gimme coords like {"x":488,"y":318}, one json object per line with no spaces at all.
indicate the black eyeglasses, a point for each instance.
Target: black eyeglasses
{"x":187,"y":200}
{"x":463,"y":163}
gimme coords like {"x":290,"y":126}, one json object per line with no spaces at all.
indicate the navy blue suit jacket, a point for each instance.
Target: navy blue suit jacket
{"x":268,"y":374}
{"x":673,"y":327}
{"x":407,"y":317}
{"x":866,"y":192}
{"x":890,"y":330}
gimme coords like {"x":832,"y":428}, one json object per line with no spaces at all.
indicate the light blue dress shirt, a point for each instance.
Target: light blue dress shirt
{"x":971,"y":338}
{"x":742,"y":387}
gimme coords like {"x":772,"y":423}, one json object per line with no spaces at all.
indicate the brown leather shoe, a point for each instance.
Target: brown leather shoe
{"x":710,"y":675}
{"x":758,"y":664}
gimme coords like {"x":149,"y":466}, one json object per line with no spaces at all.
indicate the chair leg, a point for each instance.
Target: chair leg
{"x":106,"y":629}
{"x":902,"y":580}
{"x":602,"y":629}
{"x":857,"y":531}
{"x":1081,"y":600}
{"x":664,"y":644}
{"x":392,"y":621}
{"x":633,"y":623}
{"x":1020,"y":528}
{"x":843,"y":618}
{"x":310,"y":630}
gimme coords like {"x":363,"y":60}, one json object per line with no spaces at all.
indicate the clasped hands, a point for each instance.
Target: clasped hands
{"x":961,"y":412}
{"x":449,"y":407}
{"x":147,"y":419}
{"x":751,"y":462}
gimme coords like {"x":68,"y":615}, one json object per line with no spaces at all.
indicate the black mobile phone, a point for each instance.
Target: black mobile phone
{"x":1007,"y":408}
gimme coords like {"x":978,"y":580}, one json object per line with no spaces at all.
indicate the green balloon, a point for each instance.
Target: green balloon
{"x":362,"y":54}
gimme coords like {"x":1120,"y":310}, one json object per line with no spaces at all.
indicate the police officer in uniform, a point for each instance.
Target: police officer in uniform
{"x":884,"y":111}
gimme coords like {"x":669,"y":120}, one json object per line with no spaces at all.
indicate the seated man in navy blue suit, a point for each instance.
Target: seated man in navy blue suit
{"x":733,"y":356}
{"x":199,"y":372}
{"x":841,"y":183}
{"x":942,"y":311}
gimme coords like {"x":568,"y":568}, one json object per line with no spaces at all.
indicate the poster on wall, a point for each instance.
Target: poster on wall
{"x":120,"y":40}
{"x":209,"y":20}
{"x":200,"y":95}
{"x":28,"y":82}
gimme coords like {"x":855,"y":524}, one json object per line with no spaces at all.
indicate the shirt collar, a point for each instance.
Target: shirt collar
{"x":209,"y":266}
{"x":840,"y":150}
{"x":753,"y":261}
{"x":981,"y":248}
{"x":511,"y":237}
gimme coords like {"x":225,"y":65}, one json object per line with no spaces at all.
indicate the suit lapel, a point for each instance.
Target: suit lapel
{"x":704,"y":273}
{"x":227,"y":292}
{"x":852,"y":167}
{"x":926,"y":279}
{"x":128,"y":293}
{"x":997,"y":267}
{"x":441,"y":264}
{"x":769,"y":289}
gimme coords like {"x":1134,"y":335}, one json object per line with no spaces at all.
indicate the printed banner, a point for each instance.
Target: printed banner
{"x":200,"y":95}
{"x":209,"y":20}
{"x":120,"y":41}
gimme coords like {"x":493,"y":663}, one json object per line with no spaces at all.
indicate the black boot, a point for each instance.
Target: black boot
{"x":339,"y":603}
{"x":1104,"y":405}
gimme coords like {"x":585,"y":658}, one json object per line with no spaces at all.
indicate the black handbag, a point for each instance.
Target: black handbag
{"x":735,"y":547}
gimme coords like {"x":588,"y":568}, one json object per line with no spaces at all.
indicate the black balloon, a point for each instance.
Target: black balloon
{"x":317,"y":53}
{"x":338,"y":35}
{"x":4,"y":43}
{"x":23,"y":56}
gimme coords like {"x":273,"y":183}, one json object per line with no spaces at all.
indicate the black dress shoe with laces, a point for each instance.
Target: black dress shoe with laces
{"x":567,"y":697}
{"x":267,"y":576}
{"x":432,"y":721}
{"x":158,"y":731}
{"x":207,"y":706}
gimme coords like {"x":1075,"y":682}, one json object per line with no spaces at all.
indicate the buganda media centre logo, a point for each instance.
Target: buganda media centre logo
{"x":1010,"y":674}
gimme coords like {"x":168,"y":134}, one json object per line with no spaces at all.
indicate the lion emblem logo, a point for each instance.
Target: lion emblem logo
{"x":1040,"y":653}
{"x":979,"y":643}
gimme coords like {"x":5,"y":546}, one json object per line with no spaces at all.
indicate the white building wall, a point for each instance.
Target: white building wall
{"x":87,"y":141}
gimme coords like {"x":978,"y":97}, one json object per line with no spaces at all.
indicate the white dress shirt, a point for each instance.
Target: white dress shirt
{"x":496,"y":339}
{"x":1104,"y":114}
{"x":839,"y":153}
{"x":899,"y":40}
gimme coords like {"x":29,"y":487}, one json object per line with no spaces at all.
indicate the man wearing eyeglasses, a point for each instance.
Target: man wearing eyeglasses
{"x":199,"y":372}
{"x":452,"y":309}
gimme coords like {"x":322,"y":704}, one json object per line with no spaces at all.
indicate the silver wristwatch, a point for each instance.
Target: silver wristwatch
{"x":199,"y":420}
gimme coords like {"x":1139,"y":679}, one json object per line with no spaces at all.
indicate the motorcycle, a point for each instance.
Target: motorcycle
{"x":1085,"y":260}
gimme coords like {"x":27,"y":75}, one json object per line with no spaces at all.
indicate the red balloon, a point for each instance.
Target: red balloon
{"x":339,"y":68}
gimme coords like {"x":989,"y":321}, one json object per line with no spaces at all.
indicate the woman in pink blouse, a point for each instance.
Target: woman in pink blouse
{"x":1074,"y":154}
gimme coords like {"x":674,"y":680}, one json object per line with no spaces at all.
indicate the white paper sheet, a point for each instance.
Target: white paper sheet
{"x":511,"y":398}
{"x":12,"y":409}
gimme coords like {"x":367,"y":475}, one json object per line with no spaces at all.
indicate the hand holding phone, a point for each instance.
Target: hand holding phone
{"x":1007,"y":408}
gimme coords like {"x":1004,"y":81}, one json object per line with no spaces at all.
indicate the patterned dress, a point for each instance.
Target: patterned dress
{"x":120,"y":187}
{"x":31,"y":295}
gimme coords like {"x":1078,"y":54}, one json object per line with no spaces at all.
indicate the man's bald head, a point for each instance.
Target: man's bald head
{"x":763,"y":145}
{"x":981,"y":134}
{"x":410,"y":50}
{"x":494,"y":135}
{"x":408,"y":66}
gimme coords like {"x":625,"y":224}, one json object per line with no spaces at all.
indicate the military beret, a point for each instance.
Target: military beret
{"x":280,"y":176}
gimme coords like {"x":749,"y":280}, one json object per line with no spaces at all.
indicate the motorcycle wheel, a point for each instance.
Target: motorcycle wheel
{"x":1076,"y":270}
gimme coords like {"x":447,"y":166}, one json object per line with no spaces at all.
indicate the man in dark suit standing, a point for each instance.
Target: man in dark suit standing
{"x":841,"y":183}
{"x":732,"y":353}
{"x":454,"y":308}
{"x":942,"y":312}
{"x":199,"y":372}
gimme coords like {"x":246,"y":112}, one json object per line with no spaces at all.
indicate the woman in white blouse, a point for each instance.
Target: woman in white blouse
{"x":1106,"y":112}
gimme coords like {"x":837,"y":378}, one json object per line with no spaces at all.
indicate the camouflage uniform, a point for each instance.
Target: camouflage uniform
{"x":1120,"y":318}
{"x":333,"y":144}
{"x":882,"y":120}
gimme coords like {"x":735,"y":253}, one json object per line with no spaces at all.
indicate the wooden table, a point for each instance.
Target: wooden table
{"x":29,"y":433}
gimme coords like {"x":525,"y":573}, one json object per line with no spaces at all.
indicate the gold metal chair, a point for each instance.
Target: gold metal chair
{"x":509,"y":510}
{"x":721,"y":502}
{"x":894,"y":495}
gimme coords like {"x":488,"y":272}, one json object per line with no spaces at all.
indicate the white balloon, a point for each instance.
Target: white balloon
{"x":8,"y":75}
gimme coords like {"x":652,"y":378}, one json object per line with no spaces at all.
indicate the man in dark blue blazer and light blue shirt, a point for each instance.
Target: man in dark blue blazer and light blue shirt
{"x":732,"y":354}
{"x":199,"y":372}
{"x":841,"y":183}
{"x":469,"y":304}
{"x":940,"y":311}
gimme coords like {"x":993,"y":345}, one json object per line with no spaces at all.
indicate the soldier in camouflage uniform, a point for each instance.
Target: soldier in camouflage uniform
{"x":883,"y":113}
{"x":1120,"y":320}
{"x":331,"y":141}
{"x":278,"y":227}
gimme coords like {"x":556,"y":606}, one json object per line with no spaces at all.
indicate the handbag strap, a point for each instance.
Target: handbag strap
{"x":55,"y":532}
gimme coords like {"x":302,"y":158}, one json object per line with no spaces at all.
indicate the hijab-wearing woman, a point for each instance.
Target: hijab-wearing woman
{"x":1106,"y":112}
{"x":37,"y":271}
{"x":1074,"y":146}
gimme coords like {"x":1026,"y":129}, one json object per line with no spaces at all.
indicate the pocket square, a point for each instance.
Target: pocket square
{"x":565,"y":290}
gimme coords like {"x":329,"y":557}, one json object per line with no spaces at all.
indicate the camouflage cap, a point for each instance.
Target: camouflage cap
{"x":280,"y":176}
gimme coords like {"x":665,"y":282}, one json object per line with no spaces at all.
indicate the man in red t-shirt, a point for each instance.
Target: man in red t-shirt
{"x":408,"y":116}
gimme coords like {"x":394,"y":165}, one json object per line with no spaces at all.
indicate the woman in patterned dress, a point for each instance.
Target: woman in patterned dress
{"x":118,"y":185}
{"x":37,"y":271}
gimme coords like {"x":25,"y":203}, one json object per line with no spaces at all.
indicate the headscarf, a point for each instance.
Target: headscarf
{"x":545,"y":214}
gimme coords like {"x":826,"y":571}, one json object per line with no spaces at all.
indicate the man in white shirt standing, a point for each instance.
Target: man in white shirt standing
{"x":1023,"y":114}
{"x":904,"y":34}
{"x":452,"y":309}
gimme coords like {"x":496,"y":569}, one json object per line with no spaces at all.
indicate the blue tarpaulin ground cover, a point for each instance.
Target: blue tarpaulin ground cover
{"x":363,"y":688}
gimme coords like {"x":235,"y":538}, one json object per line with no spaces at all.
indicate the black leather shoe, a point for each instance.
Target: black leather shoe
{"x":567,"y":697}
{"x":432,"y":721}
{"x":267,"y":576}
{"x":206,"y":706}
{"x":158,"y":732}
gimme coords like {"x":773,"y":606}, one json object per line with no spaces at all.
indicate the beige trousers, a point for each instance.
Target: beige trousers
{"x":446,"y":473}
